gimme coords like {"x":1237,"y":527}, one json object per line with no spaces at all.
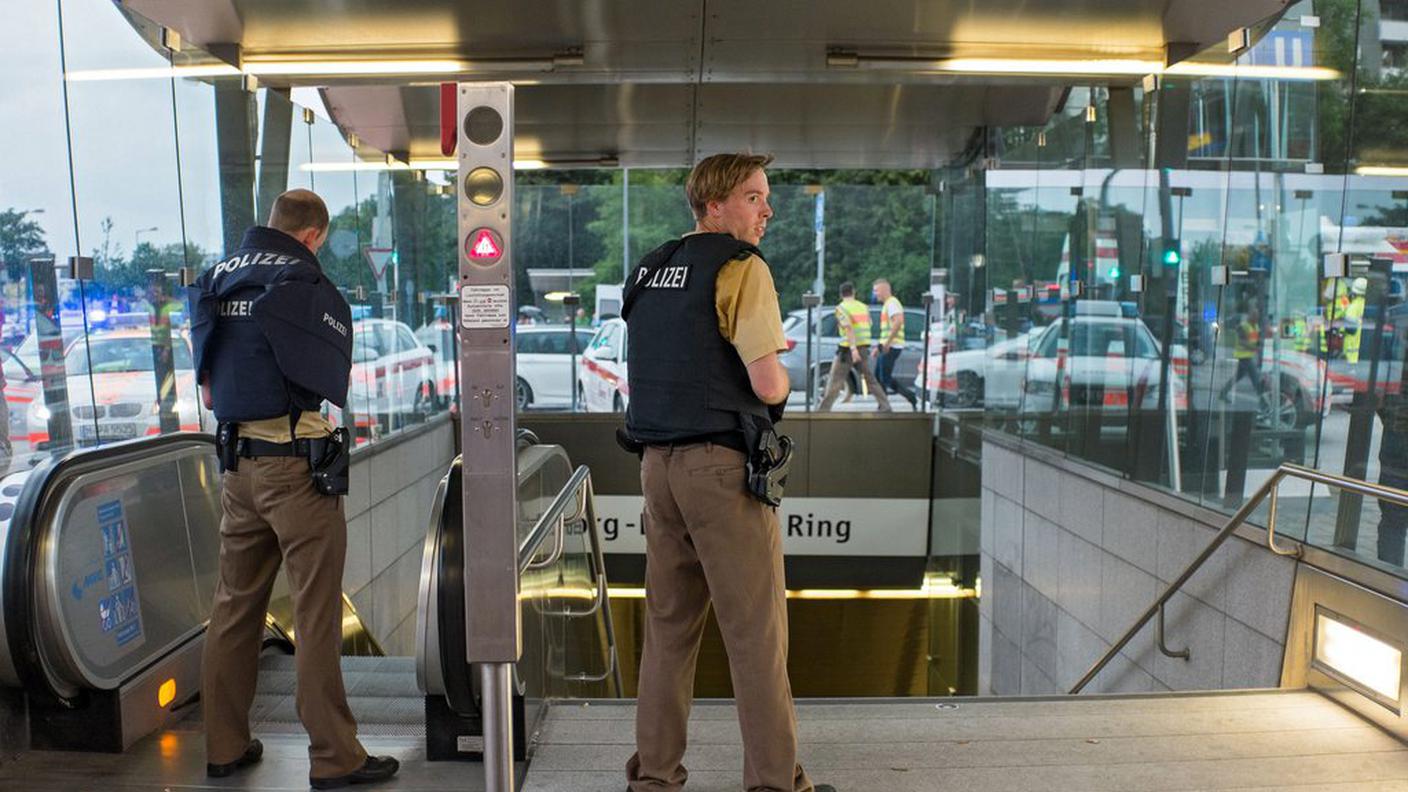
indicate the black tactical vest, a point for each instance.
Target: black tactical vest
{"x":686,"y":380}
{"x":270,"y":332}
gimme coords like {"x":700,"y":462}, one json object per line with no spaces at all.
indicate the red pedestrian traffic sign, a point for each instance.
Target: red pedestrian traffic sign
{"x":484,"y":246}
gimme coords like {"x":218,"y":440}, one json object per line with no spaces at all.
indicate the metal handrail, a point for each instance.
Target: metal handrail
{"x":578,"y":490}
{"x":553,"y":520}
{"x":1268,"y":488}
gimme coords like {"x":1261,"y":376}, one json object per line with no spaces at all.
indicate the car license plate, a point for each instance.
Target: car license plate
{"x":116,"y":431}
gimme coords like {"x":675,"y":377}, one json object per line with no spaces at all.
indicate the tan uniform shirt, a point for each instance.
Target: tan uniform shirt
{"x":275,"y":430}
{"x":746,"y":302}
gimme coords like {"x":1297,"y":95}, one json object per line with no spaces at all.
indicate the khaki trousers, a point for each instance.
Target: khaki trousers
{"x":272,"y":512}
{"x":840,"y":373}
{"x":707,"y":538}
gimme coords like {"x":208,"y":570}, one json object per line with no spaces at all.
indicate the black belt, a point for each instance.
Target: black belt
{"x":249,"y":448}
{"x":732,"y":440}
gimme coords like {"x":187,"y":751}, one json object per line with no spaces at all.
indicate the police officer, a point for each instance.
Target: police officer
{"x":704,"y":331}
{"x":272,"y":341}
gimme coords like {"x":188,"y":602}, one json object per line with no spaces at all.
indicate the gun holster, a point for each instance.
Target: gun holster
{"x":227,"y":436}
{"x":629,"y":444}
{"x":767,"y":467}
{"x":328,"y":460}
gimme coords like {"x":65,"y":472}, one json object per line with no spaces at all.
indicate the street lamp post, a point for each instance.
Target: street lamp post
{"x":137,"y":237}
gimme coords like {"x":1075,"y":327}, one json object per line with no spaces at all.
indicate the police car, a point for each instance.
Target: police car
{"x":601,"y":381}
{"x":544,"y":364}
{"x":393,"y":372}
{"x":112,"y":392}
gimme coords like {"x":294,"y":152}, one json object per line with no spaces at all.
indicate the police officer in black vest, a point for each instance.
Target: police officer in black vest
{"x":704,"y":331}
{"x":273,"y":340}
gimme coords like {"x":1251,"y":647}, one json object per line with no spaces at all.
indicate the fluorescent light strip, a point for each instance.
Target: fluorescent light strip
{"x":1381,"y":170}
{"x":1092,"y":67}
{"x":152,"y":73}
{"x":933,"y":588}
{"x":415,"y":164}
{"x":272,"y":68}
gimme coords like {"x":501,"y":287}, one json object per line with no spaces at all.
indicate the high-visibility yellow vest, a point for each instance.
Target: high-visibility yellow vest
{"x":1248,"y":337}
{"x":892,"y":305}
{"x":1353,"y":324}
{"x":858,"y":314}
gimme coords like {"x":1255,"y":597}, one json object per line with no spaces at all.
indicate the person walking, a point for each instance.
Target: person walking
{"x":704,"y":331}
{"x":853,"y":350}
{"x":889,"y":345}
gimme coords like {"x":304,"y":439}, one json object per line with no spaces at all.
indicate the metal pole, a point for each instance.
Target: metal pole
{"x":924,"y":364}
{"x":810,"y":300}
{"x":625,"y":228}
{"x":570,"y":302}
{"x":496,"y":683}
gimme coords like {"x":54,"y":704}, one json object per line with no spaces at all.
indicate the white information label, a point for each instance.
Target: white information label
{"x":485,"y":307}
{"x":468,"y":743}
{"x":810,"y":526}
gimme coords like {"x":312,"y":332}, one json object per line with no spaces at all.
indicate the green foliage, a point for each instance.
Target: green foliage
{"x":19,"y":238}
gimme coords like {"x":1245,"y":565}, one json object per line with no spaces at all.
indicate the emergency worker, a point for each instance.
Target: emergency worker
{"x":889,"y":344}
{"x":853,"y":350}
{"x":1246,"y":350}
{"x":704,"y":332}
{"x":1354,"y":319}
{"x":272,"y":339}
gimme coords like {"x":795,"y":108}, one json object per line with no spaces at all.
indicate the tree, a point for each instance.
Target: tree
{"x":20,"y":238}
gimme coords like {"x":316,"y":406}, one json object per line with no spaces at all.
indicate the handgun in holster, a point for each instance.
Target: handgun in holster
{"x":768,"y":465}
{"x":227,"y":437}
{"x":328,"y":460}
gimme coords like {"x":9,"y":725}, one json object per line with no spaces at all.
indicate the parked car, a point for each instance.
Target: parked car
{"x":601,"y":379}
{"x":112,"y":392}
{"x":545,"y":372}
{"x":1110,"y":363}
{"x":439,"y":336}
{"x":794,"y":328}
{"x":393,"y":372}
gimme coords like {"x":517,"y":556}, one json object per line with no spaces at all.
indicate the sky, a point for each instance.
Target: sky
{"x":124,"y":136}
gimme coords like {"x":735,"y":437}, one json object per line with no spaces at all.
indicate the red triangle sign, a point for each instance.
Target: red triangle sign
{"x":485,"y":246}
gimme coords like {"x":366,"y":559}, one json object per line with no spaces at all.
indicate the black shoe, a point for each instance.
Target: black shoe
{"x":376,"y":768}
{"x":251,"y":755}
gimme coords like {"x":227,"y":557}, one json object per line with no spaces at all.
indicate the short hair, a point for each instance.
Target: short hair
{"x":715,"y":177}
{"x":848,"y":289}
{"x":879,"y":281}
{"x":297,"y":210}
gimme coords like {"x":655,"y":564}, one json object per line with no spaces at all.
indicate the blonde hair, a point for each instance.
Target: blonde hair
{"x":715,"y":177}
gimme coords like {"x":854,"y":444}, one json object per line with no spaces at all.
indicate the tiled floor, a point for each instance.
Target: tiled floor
{"x":1258,"y":740}
{"x":1269,"y":740}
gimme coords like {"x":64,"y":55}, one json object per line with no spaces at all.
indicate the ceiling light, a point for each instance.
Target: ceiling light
{"x":392,"y":164}
{"x":1074,"y":67}
{"x":1381,"y":170}
{"x":153,"y":72}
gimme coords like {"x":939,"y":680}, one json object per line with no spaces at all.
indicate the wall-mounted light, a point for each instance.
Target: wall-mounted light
{"x":1367,"y":662}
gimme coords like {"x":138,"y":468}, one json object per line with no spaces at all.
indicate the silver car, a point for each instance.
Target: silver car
{"x":827,"y":339}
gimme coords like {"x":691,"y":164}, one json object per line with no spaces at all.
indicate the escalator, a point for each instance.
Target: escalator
{"x":108,"y":563}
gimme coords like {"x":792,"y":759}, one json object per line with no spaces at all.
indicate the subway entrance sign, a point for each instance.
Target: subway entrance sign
{"x":484,"y":246}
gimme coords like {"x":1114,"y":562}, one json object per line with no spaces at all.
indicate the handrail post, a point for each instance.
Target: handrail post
{"x":1182,"y":654}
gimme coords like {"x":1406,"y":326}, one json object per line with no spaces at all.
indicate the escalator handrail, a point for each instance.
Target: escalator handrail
{"x":553,"y":521}
{"x":48,"y":480}
{"x":578,"y":489}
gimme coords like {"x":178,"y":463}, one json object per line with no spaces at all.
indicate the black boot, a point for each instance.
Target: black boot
{"x":252,"y":754}
{"x":376,"y":768}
